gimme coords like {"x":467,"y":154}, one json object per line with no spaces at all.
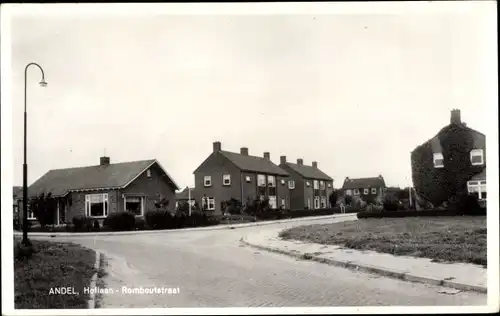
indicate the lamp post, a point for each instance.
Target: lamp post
{"x":25,"y":240}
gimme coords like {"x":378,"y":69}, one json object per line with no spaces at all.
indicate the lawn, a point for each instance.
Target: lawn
{"x":443,"y":239}
{"x":54,"y":265}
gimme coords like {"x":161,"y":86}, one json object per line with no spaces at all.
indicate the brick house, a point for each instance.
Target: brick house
{"x":225,"y":175}
{"x":452,"y":161}
{"x":99,"y":190}
{"x":368,"y":189}
{"x":309,"y":186}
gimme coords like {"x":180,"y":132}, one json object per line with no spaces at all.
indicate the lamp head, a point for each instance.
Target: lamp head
{"x":43,"y":83}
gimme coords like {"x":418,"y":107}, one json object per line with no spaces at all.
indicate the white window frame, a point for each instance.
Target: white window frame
{"x":308,"y":183}
{"x":209,"y":179}
{"x":322,"y":185}
{"x":477,"y":152}
{"x":317,"y":202}
{"x":283,"y":203}
{"x":374,"y":190}
{"x":323,"y":202}
{"x":143,"y":203}
{"x":271,"y":183}
{"x":226,"y":179}
{"x":438,"y":156}
{"x":329,"y":185}
{"x":31,"y":214}
{"x":259,"y":182}
{"x":366,"y":191}
{"x":355,"y":192}
{"x":148,"y":173}
{"x":206,"y":202}
{"x":283,"y":181}
{"x":248,"y":179}
{"x":273,"y":202}
{"x":479,"y":185}
{"x":309,"y":203}
{"x":105,"y":199}
{"x":291,"y":184}
{"x":316,"y":184}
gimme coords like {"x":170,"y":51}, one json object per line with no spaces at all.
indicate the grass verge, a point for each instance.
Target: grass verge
{"x":450,"y":239}
{"x":53,"y":265}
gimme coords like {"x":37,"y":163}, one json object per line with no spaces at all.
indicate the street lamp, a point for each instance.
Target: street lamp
{"x":43,"y":83}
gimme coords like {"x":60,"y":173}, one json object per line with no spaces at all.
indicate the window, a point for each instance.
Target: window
{"x":308,"y":203}
{"x":271,"y":183}
{"x":366,"y":191}
{"x":208,"y":203}
{"x":283,"y":203}
{"x":322,"y":185}
{"x":135,"y":205}
{"x":291,"y":184}
{"x":374,"y":190}
{"x":282,"y":181}
{"x":316,"y":202}
{"x":348,"y":192}
{"x":207,"y":181}
{"x":477,"y":188}
{"x":272,"y":202}
{"x":308,"y":183}
{"x":329,"y":185}
{"x":31,"y":214}
{"x":226,"y":179}
{"x":96,"y":205}
{"x":323,"y":202}
{"x":356,"y":192}
{"x":316,"y":185}
{"x":148,"y":173}
{"x":261,"y":185}
{"x":248,"y":179}
{"x":476,"y":157}
{"x":438,"y":160}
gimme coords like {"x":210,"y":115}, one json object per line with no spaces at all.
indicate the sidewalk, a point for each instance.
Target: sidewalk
{"x":217,"y":227}
{"x":460,"y":276}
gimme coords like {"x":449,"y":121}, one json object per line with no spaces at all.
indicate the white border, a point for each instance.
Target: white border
{"x":126,"y":10}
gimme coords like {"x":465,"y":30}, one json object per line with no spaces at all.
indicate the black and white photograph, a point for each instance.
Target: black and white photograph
{"x":249,"y":158}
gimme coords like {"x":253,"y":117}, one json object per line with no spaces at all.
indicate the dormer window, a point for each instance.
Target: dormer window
{"x":477,"y":157}
{"x":438,"y":160}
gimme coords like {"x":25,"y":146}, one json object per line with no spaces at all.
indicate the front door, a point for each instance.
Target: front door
{"x":61,"y":212}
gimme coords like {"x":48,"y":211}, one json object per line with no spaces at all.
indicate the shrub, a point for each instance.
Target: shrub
{"x":44,"y":208}
{"x":414,"y":213}
{"x":140,"y":223}
{"x":348,"y":200}
{"x":81,"y":223}
{"x":391,"y":203}
{"x":22,"y":251}
{"x":464,"y":203}
{"x":233,"y":206}
{"x":159,"y":219}
{"x":332,"y":198}
{"x":96,"y":227}
{"x":17,"y":223}
{"x":121,"y":221}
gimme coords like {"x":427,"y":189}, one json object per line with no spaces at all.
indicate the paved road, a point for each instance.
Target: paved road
{"x":212,"y":269}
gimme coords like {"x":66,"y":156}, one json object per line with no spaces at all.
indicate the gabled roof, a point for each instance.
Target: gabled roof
{"x":309,"y":172}
{"x":184,"y":194}
{"x":254,"y":163}
{"x":358,"y":183}
{"x":113,"y":176}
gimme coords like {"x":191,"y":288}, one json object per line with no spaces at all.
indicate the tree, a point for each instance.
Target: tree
{"x":333,"y":198}
{"x":162,"y":204}
{"x":348,"y":200}
{"x":44,"y":208}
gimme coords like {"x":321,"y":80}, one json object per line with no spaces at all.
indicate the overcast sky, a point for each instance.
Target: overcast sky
{"x":356,"y":93}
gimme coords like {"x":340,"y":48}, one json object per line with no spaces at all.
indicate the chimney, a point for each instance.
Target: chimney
{"x":217,"y":147}
{"x":267,"y":155}
{"x":244,"y":151}
{"x":455,"y":117}
{"x":282,"y":160}
{"x":315,"y":164}
{"x":300,"y":162}
{"x":104,"y":161}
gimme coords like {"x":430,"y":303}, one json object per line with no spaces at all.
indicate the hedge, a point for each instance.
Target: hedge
{"x":120,"y":221}
{"x":439,"y":184}
{"x":383,"y":214}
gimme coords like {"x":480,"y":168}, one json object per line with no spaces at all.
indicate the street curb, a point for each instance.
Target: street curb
{"x":372,"y":269}
{"x":92,"y":300}
{"x":217,"y":227}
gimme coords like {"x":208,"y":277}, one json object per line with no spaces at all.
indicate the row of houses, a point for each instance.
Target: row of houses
{"x":99,"y":190}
